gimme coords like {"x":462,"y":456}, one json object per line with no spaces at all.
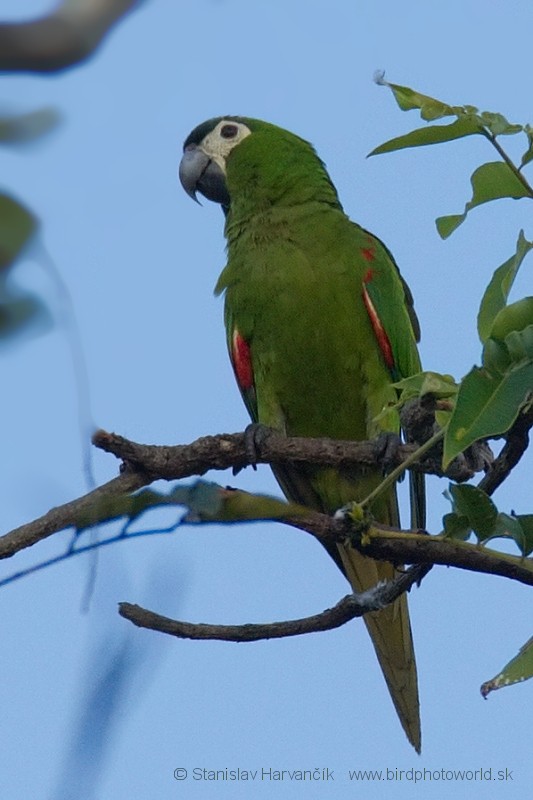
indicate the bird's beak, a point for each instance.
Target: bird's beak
{"x":198,"y":173}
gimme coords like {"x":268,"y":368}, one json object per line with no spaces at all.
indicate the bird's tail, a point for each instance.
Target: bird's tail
{"x":390,"y":631}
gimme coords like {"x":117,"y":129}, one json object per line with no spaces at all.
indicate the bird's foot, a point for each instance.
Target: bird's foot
{"x":254,"y":435}
{"x":386,"y":448}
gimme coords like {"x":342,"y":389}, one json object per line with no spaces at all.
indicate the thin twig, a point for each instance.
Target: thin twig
{"x":510,"y":163}
{"x":395,"y":474}
{"x":351,"y":606}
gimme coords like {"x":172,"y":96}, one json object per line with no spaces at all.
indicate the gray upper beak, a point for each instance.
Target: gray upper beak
{"x":197,"y":173}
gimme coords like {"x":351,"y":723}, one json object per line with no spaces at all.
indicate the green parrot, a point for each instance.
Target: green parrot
{"x":319,"y":324}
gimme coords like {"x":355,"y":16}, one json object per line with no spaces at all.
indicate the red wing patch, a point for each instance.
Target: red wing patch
{"x":242,"y":361}
{"x":369,"y":252}
{"x":379,"y":331}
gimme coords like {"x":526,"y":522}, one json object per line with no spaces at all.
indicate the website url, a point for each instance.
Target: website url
{"x":418,"y":775}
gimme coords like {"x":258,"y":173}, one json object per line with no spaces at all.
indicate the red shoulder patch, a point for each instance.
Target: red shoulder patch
{"x":379,"y":331}
{"x":369,"y":252}
{"x":242,"y":361}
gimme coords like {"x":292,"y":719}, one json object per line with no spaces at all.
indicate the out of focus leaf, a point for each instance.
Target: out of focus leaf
{"x":22,"y":315}
{"x":17,"y":224}
{"x":204,"y":501}
{"x":497,"y":291}
{"x":492,"y":181}
{"x":520,"y":668}
{"x":23,"y":128}
{"x":19,"y":311}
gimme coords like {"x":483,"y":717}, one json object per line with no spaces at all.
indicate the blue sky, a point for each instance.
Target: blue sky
{"x":140,"y":262}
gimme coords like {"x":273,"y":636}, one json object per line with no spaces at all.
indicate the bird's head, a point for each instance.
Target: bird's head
{"x":231,"y":159}
{"x":205,"y":153}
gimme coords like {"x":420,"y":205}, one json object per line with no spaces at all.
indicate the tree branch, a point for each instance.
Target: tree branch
{"x":146,"y":463}
{"x":230,"y":450}
{"x":516,"y":444}
{"x":69,"y":514}
{"x":404,"y":547}
{"x":61,"y":39}
{"x":351,"y":606}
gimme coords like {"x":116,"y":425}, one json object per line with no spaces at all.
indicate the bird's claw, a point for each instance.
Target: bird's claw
{"x":254,"y":435}
{"x":386,"y":448}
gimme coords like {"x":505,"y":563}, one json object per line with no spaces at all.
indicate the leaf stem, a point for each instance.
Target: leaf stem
{"x":393,"y":476}
{"x":512,"y":166}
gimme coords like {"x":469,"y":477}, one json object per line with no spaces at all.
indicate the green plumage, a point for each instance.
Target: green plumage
{"x":328,"y":324}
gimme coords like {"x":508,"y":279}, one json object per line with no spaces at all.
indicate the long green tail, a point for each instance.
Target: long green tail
{"x":389,"y":629}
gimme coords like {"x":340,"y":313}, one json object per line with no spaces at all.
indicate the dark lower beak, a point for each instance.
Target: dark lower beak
{"x":197,"y":173}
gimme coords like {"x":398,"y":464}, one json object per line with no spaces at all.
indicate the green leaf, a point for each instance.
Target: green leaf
{"x":511,"y":318}
{"x":496,"y":358}
{"x":520,"y":668}
{"x":456,"y":526}
{"x":409,"y":99}
{"x":446,"y":225}
{"x":498,"y":125}
{"x":474,"y":511}
{"x":528,"y":155}
{"x":492,"y":181}
{"x":519,"y":345}
{"x":487,"y":405}
{"x":476,"y":506}
{"x":441,"y":386}
{"x":509,"y":527}
{"x":22,"y":128}
{"x":427,"y":383}
{"x":526,"y":524}
{"x":433,"y":134}
{"x":497,"y":292}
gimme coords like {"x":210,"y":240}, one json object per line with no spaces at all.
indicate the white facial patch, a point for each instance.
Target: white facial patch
{"x":219,"y":143}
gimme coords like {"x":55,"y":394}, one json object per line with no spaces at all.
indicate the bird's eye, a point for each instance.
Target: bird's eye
{"x":229,"y":131}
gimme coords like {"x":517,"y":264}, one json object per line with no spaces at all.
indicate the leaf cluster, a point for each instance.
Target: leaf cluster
{"x":488,"y":401}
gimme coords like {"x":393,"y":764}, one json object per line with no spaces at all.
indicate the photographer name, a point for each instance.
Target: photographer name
{"x":264,"y":774}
